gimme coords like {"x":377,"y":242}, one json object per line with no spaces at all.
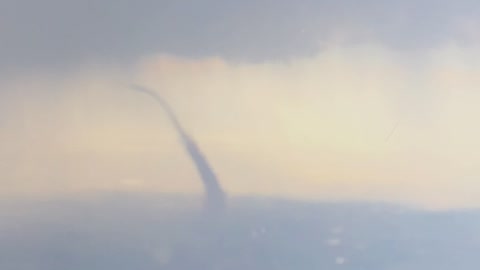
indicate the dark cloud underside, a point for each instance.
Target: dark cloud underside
{"x":60,"y":33}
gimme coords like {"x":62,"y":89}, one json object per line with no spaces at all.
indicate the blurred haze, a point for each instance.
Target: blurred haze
{"x":335,"y":104}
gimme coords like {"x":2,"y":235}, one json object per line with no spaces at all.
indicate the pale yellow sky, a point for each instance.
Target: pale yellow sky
{"x":312,"y":128}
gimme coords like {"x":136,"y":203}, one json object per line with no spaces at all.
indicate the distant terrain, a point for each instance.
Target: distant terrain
{"x":152,"y":231}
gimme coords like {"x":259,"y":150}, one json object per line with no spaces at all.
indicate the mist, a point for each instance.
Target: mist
{"x":313,"y":128}
{"x":344,"y":132}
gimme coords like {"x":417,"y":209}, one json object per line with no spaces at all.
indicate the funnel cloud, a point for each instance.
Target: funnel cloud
{"x":215,"y":196}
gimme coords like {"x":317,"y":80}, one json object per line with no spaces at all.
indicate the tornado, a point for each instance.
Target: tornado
{"x":215,"y":198}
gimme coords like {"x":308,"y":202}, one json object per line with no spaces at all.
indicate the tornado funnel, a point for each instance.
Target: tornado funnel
{"x":215,"y":198}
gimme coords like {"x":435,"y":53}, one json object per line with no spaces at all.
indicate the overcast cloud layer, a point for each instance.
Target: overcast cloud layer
{"x":59,"y":34}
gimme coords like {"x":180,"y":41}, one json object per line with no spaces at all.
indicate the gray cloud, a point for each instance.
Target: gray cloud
{"x":60,"y":34}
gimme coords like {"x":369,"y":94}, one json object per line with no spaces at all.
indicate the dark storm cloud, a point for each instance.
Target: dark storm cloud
{"x":61,"y":33}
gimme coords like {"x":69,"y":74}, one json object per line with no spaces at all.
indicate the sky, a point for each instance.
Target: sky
{"x":317,"y":100}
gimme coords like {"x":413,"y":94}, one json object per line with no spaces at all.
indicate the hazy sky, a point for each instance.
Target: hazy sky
{"x":287,"y":98}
